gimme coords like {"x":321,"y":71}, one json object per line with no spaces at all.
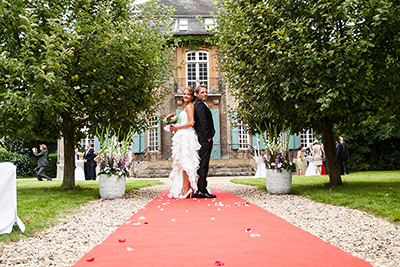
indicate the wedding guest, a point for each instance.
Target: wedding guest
{"x":76,"y":154}
{"x":316,"y":154}
{"x":43,"y":162}
{"x":324,"y":159}
{"x":300,"y":159}
{"x":309,"y":152}
{"x":342,"y":155}
{"x":79,"y":174}
{"x":90,"y":163}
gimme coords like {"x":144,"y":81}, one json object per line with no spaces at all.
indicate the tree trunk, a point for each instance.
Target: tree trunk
{"x":326,"y":126}
{"x":69,"y":151}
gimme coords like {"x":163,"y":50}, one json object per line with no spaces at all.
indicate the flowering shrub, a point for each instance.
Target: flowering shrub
{"x":114,"y":156}
{"x":276,"y":155}
{"x":171,"y":119}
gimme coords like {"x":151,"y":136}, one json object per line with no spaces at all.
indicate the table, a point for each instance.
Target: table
{"x":311,"y":167}
{"x":8,"y":198}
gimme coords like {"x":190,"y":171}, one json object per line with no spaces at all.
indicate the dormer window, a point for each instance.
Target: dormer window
{"x":209,"y":23}
{"x":183,"y":25}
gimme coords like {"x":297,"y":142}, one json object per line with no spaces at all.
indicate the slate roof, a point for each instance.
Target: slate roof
{"x":190,"y":10}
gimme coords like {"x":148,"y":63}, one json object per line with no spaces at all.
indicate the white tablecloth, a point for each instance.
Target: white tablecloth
{"x":79,"y":172}
{"x":311,"y":167}
{"x":8,"y":198}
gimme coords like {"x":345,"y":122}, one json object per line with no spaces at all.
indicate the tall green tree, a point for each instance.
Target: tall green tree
{"x":71,"y":64}
{"x":311,"y":63}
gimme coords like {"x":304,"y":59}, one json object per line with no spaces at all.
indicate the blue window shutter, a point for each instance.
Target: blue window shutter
{"x":254,"y":141}
{"x":138,"y":142}
{"x":216,"y":150}
{"x":142,"y":142}
{"x":262,"y":144}
{"x":234,"y":133}
{"x":96,"y":144}
{"x":294,"y":141}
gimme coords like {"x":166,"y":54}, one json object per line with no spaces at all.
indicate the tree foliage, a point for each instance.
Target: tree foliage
{"x":71,"y":64}
{"x":311,"y":63}
{"x":375,"y":147}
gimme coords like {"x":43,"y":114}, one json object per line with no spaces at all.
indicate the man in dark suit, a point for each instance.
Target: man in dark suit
{"x":342,"y":154}
{"x":89,"y":164}
{"x":43,"y":162}
{"x":204,"y":126}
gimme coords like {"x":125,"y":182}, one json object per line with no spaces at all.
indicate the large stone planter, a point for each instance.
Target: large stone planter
{"x":112,"y":186}
{"x":278,"y":182}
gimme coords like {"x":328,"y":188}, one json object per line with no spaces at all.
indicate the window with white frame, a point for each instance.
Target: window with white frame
{"x":89,"y":140}
{"x":244,"y":137}
{"x":196,"y":68}
{"x":209,"y":23}
{"x":183,"y":24}
{"x":152,"y":134}
{"x":307,"y":137}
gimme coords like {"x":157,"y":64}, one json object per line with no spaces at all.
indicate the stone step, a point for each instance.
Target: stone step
{"x":162,"y":169}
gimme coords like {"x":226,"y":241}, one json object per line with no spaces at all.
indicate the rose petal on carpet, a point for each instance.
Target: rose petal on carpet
{"x":225,"y":231}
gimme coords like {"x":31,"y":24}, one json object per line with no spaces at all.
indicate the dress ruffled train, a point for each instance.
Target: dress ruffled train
{"x":185,"y":147}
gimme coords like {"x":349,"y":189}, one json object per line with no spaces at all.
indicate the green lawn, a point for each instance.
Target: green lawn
{"x":377,"y":193}
{"x":42,"y":204}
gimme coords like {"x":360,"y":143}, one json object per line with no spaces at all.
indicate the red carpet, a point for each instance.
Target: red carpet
{"x":212,"y":232}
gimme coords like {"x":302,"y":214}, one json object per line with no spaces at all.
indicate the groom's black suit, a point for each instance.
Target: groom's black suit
{"x":204,"y":126}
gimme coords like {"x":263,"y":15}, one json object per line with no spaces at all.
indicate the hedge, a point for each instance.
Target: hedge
{"x":25,"y":164}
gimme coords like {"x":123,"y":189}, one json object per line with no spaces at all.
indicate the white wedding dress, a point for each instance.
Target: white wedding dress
{"x":185,"y":148}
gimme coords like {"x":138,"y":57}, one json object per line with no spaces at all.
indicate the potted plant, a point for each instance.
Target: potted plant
{"x":279,"y":165}
{"x":115,"y":161}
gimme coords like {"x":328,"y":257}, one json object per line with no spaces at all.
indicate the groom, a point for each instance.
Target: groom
{"x":204,"y":126}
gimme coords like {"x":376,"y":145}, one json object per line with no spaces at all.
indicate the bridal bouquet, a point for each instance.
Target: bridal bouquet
{"x":171,"y":119}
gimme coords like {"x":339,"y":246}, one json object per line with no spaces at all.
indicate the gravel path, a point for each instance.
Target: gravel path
{"x":362,"y":235}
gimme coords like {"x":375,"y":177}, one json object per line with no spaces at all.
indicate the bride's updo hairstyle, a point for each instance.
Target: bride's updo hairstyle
{"x":191,"y":92}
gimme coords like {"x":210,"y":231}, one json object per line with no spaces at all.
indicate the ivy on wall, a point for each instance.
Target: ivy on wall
{"x":192,"y":42}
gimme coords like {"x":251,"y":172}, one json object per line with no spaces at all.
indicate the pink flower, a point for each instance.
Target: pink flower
{"x":277,"y":161}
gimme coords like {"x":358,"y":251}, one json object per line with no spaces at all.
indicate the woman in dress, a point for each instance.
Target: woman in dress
{"x":79,"y":174}
{"x":300,"y":159}
{"x":316,"y":154}
{"x":185,"y":147}
{"x":43,"y":162}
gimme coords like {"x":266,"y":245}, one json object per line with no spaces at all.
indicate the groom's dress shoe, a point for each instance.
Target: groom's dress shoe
{"x":204,"y":195}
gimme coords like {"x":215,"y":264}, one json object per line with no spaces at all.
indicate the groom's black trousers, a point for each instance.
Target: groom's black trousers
{"x":204,"y":153}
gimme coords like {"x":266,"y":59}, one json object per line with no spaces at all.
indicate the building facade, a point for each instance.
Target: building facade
{"x":233,"y":146}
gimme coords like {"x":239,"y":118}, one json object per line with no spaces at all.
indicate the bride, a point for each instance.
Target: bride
{"x":185,"y":147}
